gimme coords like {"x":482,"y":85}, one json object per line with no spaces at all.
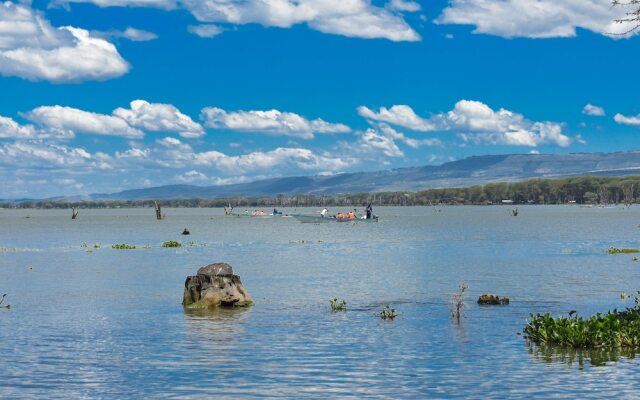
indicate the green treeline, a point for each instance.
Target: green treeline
{"x":581,"y":190}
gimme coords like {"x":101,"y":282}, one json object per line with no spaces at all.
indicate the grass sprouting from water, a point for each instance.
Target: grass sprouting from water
{"x":338,"y":305}
{"x":171,"y":243}
{"x":615,"y":329}
{"x":387,"y":313}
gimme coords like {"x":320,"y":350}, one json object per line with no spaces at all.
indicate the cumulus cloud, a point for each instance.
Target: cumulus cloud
{"x":477,"y":122}
{"x":31,"y":48}
{"x":158,"y":117}
{"x":624,"y":120}
{"x":372,"y":141}
{"x":205,"y":31}
{"x":595,"y":111}
{"x":403,"y":5}
{"x":79,"y":121}
{"x":41,"y":155}
{"x":272,"y":122}
{"x":535,"y":19}
{"x":400,"y":115}
{"x":352,"y":18}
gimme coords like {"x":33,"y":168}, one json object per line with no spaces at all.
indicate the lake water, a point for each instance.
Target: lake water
{"x":104,"y":323}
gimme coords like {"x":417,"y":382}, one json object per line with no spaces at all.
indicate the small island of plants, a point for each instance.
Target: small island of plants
{"x":171,"y":243}
{"x":123,"y":246}
{"x":615,"y":329}
{"x":615,"y":250}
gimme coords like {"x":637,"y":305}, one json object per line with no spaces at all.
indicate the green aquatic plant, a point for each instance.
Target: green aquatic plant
{"x":96,"y":246}
{"x":615,"y":329}
{"x":387,"y":313}
{"x":171,"y":243}
{"x":615,"y":250}
{"x":83,"y":245}
{"x":123,"y":246}
{"x":338,"y":305}
{"x":457,"y":302}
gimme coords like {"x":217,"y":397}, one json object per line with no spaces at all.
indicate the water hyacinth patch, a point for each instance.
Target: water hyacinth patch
{"x":615,"y":329}
{"x":171,"y":243}
{"x":338,"y":305}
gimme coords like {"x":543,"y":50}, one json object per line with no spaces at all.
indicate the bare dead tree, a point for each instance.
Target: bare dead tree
{"x":74,"y":212}
{"x":631,"y":16}
{"x":158,"y":210}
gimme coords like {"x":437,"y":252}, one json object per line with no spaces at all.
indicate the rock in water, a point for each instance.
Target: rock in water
{"x":492,"y":299}
{"x":215,"y":286}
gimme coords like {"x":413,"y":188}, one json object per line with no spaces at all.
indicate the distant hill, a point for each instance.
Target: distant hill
{"x":466,"y":172}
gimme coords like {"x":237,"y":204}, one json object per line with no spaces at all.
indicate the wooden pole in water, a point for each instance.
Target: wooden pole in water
{"x":74,"y":212}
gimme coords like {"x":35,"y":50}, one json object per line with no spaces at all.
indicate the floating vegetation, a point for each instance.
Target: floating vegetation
{"x":7,"y":306}
{"x":615,"y":329}
{"x":302,"y":241}
{"x":338,"y":305}
{"x":171,"y":243}
{"x":615,"y":250}
{"x":387,"y":313}
{"x":457,"y":302}
{"x":123,"y":246}
{"x":96,"y":246}
{"x":634,"y":258}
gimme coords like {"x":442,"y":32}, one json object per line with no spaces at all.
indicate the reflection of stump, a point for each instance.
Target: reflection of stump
{"x":215,"y":286}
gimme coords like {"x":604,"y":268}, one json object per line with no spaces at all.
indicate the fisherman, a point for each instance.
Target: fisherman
{"x":275,"y":212}
{"x":324,"y":212}
{"x":369,"y":211}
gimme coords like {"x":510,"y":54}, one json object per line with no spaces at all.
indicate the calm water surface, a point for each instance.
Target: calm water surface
{"x":109,"y":324}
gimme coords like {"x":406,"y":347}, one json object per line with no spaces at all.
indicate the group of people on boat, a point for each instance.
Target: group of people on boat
{"x":351,"y":214}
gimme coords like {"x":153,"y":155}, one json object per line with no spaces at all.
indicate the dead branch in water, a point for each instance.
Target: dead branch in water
{"x":74,"y":212}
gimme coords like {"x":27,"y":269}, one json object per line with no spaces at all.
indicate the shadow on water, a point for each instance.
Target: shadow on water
{"x":578,"y":357}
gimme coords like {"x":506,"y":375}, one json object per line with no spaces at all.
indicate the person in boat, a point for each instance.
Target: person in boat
{"x":351,"y":215}
{"x":340,"y":215}
{"x":275,"y":212}
{"x":324,"y":212}
{"x":369,"y":211}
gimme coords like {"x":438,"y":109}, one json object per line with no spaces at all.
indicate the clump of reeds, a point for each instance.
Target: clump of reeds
{"x":338,"y":305}
{"x":457,"y":302}
{"x":171,"y":243}
{"x":387,"y":313}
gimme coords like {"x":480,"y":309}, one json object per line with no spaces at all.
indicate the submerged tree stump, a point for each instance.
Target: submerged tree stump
{"x":492,"y":299}
{"x":215,"y":286}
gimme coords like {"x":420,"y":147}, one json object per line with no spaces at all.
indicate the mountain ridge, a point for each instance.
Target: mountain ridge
{"x":474,"y":170}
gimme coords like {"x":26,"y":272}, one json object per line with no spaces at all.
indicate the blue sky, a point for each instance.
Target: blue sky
{"x":105,"y":95}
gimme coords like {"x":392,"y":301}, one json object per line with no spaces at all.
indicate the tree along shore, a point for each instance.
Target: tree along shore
{"x":579,"y":190}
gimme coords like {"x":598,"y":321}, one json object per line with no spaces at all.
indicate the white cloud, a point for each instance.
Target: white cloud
{"x":476,"y":122}
{"x":158,"y":117}
{"x":10,"y":129}
{"x":31,"y":48}
{"x":404,"y":5}
{"x":624,"y":120}
{"x":133,"y":34}
{"x":79,"y":121}
{"x":595,"y":111}
{"x":272,"y":122}
{"x":163,"y":4}
{"x":352,"y":18}
{"x":40,"y":155}
{"x":264,"y":161}
{"x":414,"y":143}
{"x":535,"y":19}
{"x":192,"y":176}
{"x":400,"y":115}
{"x":372,"y":141}
{"x":205,"y":31}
